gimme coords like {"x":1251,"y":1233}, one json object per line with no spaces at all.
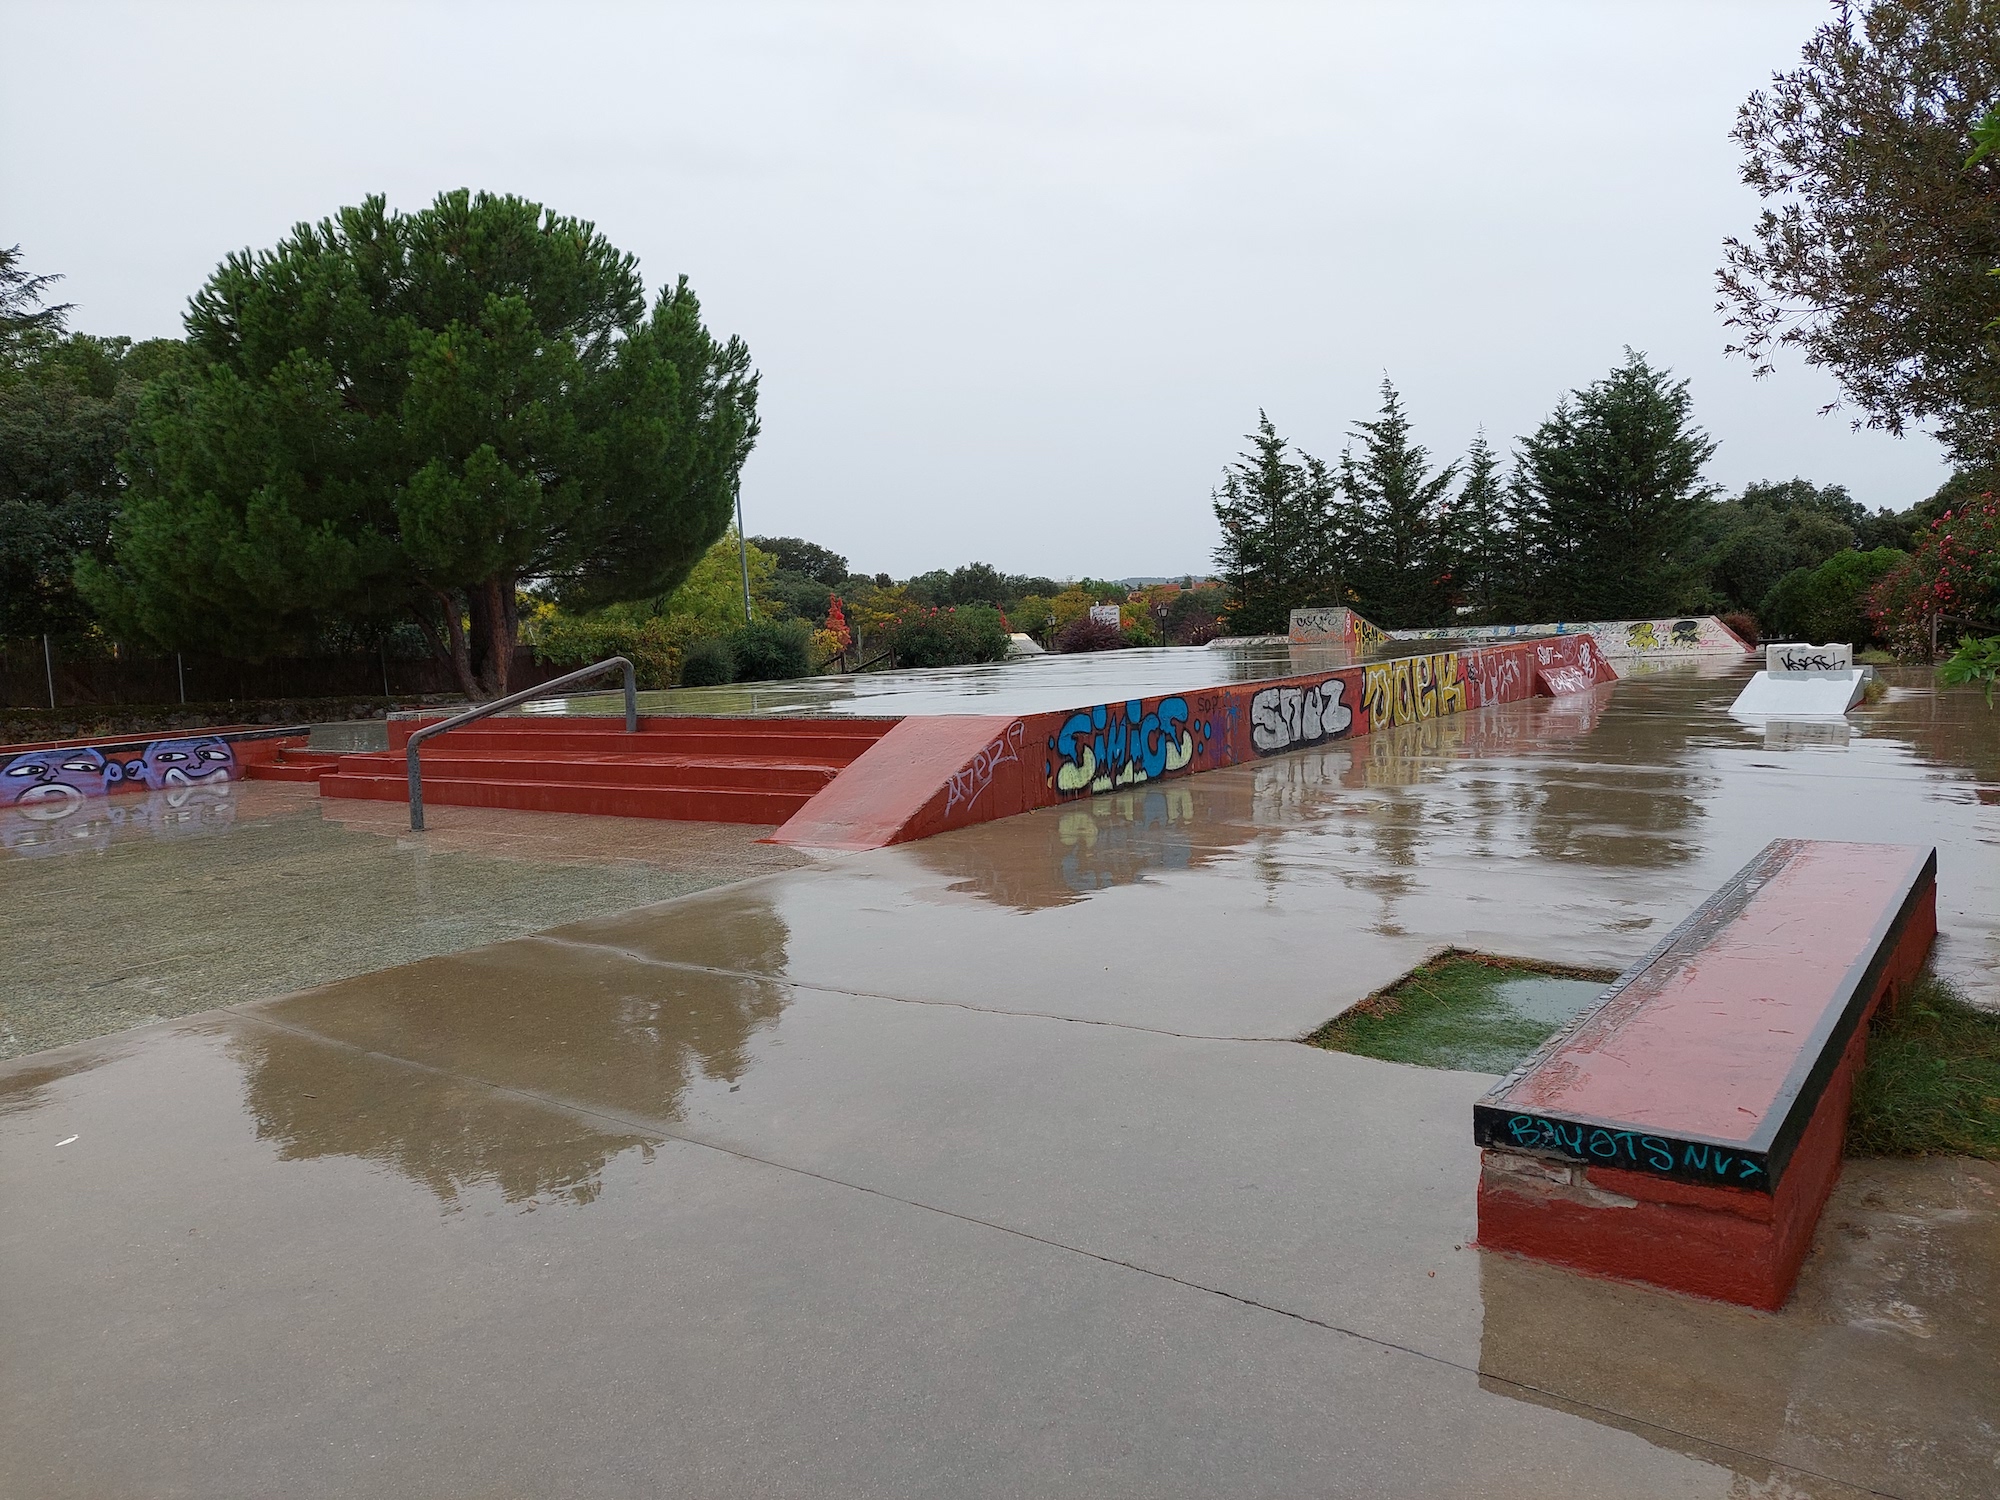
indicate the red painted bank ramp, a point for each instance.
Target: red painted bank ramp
{"x":1687,"y":1129}
{"x":693,"y":769}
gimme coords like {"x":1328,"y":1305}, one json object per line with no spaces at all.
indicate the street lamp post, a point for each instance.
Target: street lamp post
{"x":743,"y":551}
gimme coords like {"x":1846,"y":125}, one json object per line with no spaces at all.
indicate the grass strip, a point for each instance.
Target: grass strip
{"x":1931,"y":1084}
{"x":1446,"y":1014}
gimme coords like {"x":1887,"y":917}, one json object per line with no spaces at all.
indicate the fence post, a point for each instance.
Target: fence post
{"x":383,"y":646}
{"x":180,"y":671}
{"x":49,"y":666}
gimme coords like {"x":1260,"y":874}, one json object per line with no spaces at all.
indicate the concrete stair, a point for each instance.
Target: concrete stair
{"x":706,"y":770}
{"x":291,"y":764}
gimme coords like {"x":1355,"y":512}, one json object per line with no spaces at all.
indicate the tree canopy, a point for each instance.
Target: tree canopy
{"x":1401,"y":517}
{"x":1882,"y":217}
{"x":410,"y":415}
{"x":1611,"y":489}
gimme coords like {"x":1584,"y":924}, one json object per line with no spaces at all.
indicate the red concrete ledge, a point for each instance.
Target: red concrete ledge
{"x":1686,"y":1131}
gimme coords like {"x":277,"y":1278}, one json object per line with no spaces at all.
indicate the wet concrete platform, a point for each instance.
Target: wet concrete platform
{"x":986,"y":1166}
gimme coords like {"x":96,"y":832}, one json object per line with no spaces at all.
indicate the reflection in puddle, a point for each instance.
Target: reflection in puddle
{"x":526,"y":1059}
{"x":93,"y":824}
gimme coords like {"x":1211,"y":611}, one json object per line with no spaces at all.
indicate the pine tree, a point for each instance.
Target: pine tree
{"x":414,"y":414}
{"x":1611,"y":493}
{"x":1280,"y":536}
{"x":1407,"y":571}
{"x":1479,"y":531}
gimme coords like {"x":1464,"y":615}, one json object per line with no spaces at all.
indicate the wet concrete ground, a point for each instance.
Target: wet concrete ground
{"x":986,"y":1166}
{"x":138,"y":908}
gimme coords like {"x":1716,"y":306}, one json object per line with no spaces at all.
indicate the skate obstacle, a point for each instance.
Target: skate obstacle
{"x":1803,"y":682}
{"x":928,"y":775}
{"x":1689,"y":636}
{"x":1686,"y":1130}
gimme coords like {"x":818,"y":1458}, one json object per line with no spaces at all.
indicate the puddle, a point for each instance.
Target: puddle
{"x":1463,"y":1011}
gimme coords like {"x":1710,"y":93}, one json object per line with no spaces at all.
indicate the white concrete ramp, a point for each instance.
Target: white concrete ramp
{"x":1803,"y":682}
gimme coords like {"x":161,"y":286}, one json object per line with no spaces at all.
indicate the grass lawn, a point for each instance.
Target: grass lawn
{"x":1463,"y":1010}
{"x":1931,"y":1085}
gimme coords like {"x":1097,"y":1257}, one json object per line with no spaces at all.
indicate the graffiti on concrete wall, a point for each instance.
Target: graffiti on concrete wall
{"x":965,"y":786}
{"x":1285,"y":717}
{"x":1412,"y":688}
{"x":57,"y":777}
{"x":1121,"y":744}
{"x":1564,"y":676}
{"x":1498,"y":677}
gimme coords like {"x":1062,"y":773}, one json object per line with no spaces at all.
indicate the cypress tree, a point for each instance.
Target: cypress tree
{"x":1611,"y":493}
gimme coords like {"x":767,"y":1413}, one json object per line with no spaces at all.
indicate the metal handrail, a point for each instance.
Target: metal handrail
{"x":416,"y":771}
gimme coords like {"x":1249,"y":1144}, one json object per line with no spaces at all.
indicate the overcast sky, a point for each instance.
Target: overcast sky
{"x":1018,"y":279}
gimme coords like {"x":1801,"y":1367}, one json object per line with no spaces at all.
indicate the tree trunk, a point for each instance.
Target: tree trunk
{"x":453,"y":647}
{"x":495,"y":625}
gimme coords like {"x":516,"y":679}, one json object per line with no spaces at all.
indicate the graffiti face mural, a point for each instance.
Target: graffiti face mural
{"x":1284,"y":718}
{"x":51,"y":780}
{"x":1412,"y":688}
{"x":1116,"y":745}
{"x":179,"y":762}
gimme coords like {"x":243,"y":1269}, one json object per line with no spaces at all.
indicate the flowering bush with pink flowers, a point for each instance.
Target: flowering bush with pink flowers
{"x":1955,"y":571}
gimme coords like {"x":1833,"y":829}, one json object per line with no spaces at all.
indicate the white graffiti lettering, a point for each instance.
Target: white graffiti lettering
{"x":1282,"y":718}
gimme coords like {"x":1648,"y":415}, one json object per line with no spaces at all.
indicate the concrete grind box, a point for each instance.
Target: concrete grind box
{"x":1687,"y":1129}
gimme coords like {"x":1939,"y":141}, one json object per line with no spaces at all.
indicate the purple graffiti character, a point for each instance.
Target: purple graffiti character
{"x":54,"y":779}
{"x":182,"y":762}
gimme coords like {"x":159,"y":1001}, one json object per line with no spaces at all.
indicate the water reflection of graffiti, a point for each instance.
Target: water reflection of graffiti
{"x":964,"y":788}
{"x":1283,"y":718}
{"x":40,"y":826}
{"x":71,"y":774}
{"x":1412,"y":688}
{"x":1120,"y":744}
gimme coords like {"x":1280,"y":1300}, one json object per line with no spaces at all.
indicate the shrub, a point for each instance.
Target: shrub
{"x":1744,"y":624}
{"x":708,"y":663}
{"x":1954,"y":571}
{"x":1086,"y":634}
{"x":570,"y":641}
{"x":1827,"y":603}
{"x":772,"y":651}
{"x":922,"y":636}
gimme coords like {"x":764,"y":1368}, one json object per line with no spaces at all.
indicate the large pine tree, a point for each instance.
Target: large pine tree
{"x":413,"y":414}
{"x":1405,"y":575}
{"x":1611,"y":491}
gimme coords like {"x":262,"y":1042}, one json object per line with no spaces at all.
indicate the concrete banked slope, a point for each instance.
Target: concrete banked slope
{"x":713,"y":770}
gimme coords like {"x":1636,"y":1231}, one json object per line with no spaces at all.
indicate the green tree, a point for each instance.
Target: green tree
{"x":1404,"y":577}
{"x":1282,"y":535}
{"x":1611,"y":490}
{"x":1771,"y":529}
{"x":411,"y":414}
{"x":1827,"y":603}
{"x":66,"y":406}
{"x":1871,"y":257}
{"x":1481,"y":537}
{"x":808,"y":559}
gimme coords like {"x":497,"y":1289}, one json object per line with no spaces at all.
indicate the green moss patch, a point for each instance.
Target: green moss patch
{"x":1468,"y":1011}
{"x":1931,"y":1085}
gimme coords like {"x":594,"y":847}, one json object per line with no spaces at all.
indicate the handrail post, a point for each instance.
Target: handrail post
{"x":483,"y":710}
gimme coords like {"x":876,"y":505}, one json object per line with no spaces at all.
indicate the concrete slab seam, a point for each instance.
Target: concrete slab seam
{"x":834,"y":989}
{"x":647,"y":1126}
